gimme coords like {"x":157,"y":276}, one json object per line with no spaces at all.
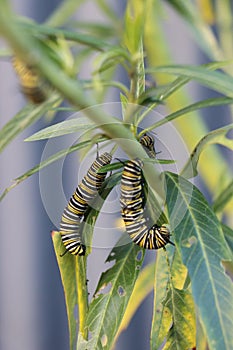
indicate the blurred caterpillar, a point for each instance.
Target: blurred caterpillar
{"x":32,"y":85}
{"x":148,"y":144}
{"x":85,"y":192}
{"x":132,"y":210}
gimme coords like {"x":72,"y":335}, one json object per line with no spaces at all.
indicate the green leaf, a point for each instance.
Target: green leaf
{"x":26,"y":117}
{"x":199,"y":237}
{"x":63,"y":128}
{"x":134,"y":25}
{"x":119,"y":165}
{"x":228,"y":234}
{"x":161,"y":320}
{"x":47,"y":162}
{"x":213,"y":137}
{"x":66,"y":266}
{"x":179,"y":304}
{"x":84,"y":39}
{"x":217,"y":81}
{"x":223,"y":198}
{"x":112,"y":295}
{"x":211,"y":102}
{"x":109,"y":59}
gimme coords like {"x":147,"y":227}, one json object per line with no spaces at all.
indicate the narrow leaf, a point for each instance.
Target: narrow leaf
{"x":215,"y":136}
{"x":119,"y":165}
{"x":217,"y":81}
{"x":200,"y":239}
{"x":81,"y":38}
{"x":211,"y":102}
{"x":66,"y":266}
{"x":46,"y":162}
{"x":63,"y":128}
{"x":228,"y":234}
{"x":26,"y":117}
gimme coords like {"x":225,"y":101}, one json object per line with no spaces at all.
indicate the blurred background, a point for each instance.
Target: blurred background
{"x":32,"y":308}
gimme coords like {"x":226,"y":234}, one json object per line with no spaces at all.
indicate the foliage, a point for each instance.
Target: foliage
{"x":189,"y":282}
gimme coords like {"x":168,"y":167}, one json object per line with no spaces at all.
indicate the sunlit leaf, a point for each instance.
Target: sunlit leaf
{"x":182,"y":334}
{"x":161,"y":320}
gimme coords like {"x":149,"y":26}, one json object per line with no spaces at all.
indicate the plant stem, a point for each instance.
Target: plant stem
{"x":29,"y":49}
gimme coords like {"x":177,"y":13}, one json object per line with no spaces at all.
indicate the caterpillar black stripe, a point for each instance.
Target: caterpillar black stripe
{"x":148,"y":144}
{"x":132,"y":210}
{"x":73,"y":214}
{"x":32,"y":85}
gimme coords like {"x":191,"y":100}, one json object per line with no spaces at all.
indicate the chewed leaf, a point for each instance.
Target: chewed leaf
{"x":199,"y":237}
{"x":218,"y":136}
{"x":142,"y":288}
{"x":182,"y":334}
{"x":162,"y":317}
{"x":63,"y":128}
{"x":161,"y":320}
{"x":112,"y":295}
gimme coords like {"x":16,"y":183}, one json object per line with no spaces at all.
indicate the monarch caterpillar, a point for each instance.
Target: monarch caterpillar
{"x":148,"y":144}
{"x":78,"y":204}
{"x":132,"y":210}
{"x":32,"y":85}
